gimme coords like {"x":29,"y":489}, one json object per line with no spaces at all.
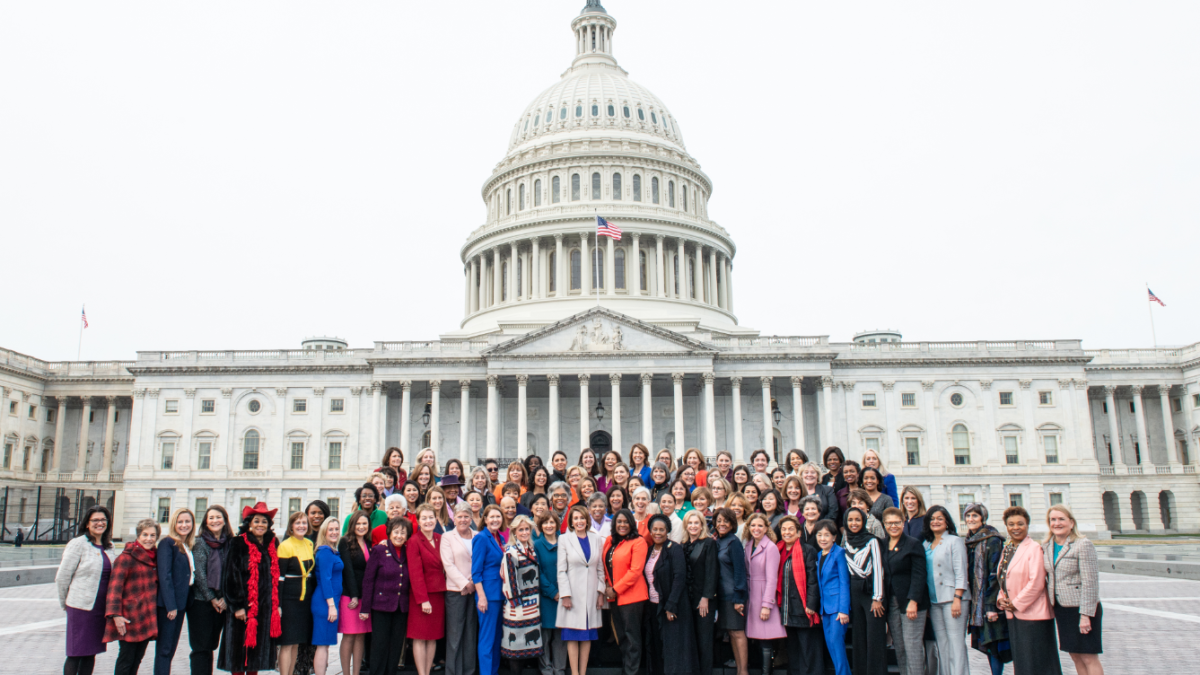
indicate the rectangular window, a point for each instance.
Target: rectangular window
{"x":116,"y":416}
{"x":168,"y":454}
{"x":1137,"y":452}
{"x":868,"y":400}
{"x":337,"y":405}
{"x":300,"y":405}
{"x":576,"y":271}
{"x":33,"y":412}
{"x":1177,"y":405}
{"x":1006,"y":398}
{"x":962,"y":445}
{"x":537,"y":192}
{"x":1131,"y":408}
{"x":164,"y":509}
{"x":596,"y":185}
{"x":1010,"y":450}
{"x":247,"y":501}
{"x":1196,"y":400}
{"x":1055,"y":498}
{"x":1104,"y":405}
{"x":172,"y":406}
{"x":1045,"y":398}
{"x":554,"y":190}
{"x":50,"y":414}
{"x":12,"y":407}
{"x":872,"y":444}
{"x":1108,"y":447}
{"x":8,"y":450}
{"x":334,"y":507}
{"x":204,"y":458}
{"x":208,"y":406}
{"x":201,"y":507}
{"x":574,"y":187}
{"x":297,"y":455}
{"x":1050,"y":443}
{"x":912,"y":447}
{"x":1183,"y":453}
{"x":335,"y":454}
{"x":1016,"y":499}
{"x":293,"y":505}
{"x":963,"y":502}
{"x":637,"y":187}
{"x":908,"y":399}
{"x":91,"y":416}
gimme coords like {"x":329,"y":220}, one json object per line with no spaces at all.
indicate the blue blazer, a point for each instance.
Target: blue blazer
{"x":174,"y":571}
{"x":834,"y":577}
{"x":889,"y":489}
{"x":486,"y":558}
{"x":329,"y":578}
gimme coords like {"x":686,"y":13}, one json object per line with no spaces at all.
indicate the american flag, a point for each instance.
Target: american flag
{"x":1154,"y":298}
{"x":85,"y":317}
{"x":607,"y":229}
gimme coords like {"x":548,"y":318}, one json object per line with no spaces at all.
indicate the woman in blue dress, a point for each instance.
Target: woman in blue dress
{"x":328,"y":595}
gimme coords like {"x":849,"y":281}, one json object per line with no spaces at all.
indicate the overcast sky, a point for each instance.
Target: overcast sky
{"x":225,"y":175}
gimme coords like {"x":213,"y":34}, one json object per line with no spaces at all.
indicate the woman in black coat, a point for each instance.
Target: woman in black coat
{"x":354,"y":549}
{"x":668,"y":616}
{"x":252,"y":625}
{"x":906,"y":593}
{"x":700,"y":553}
{"x":799,"y":601}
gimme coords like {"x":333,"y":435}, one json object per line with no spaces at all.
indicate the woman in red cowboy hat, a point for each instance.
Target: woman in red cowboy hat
{"x":252,"y":623}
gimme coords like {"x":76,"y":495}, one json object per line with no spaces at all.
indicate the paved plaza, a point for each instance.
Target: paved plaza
{"x":1146,"y":624}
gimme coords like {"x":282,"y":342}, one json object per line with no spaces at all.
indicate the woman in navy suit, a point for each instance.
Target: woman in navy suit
{"x":487,"y":554}
{"x":175,"y":574}
{"x":834,"y":577}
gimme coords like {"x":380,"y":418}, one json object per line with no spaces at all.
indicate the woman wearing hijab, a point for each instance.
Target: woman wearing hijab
{"x":866,"y":595}
{"x":986,"y":624}
{"x":252,"y":625}
{"x":206,"y":615}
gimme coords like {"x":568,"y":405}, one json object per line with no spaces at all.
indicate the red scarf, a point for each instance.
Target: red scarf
{"x":252,"y":593}
{"x":799,"y":573}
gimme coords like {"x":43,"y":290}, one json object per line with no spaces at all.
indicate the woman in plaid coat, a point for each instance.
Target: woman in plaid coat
{"x":132,"y":599}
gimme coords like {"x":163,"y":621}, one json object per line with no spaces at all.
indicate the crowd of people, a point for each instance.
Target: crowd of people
{"x":531,"y":564}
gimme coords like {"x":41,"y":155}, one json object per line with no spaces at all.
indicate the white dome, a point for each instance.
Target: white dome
{"x":595,"y":97}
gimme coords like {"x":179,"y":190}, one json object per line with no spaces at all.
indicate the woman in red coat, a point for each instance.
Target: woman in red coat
{"x":624,"y":561}
{"x":427,"y":599}
{"x":132,"y":599}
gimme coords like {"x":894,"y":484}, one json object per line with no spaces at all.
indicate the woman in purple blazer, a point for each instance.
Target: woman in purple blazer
{"x":386,"y":585}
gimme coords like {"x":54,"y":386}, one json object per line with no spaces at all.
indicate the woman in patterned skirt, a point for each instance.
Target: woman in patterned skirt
{"x":521,"y":622}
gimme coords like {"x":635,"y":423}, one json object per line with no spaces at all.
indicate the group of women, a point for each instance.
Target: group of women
{"x":666,"y":559}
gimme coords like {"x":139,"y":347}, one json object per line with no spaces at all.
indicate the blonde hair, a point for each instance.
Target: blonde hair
{"x":422,"y":453}
{"x":746,"y":536}
{"x":323,"y":535}
{"x":704,"y":534}
{"x":1066,"y":511}
{"x":882,"y":471}
{"x":184,"y":544}
{"x":920,"y":502}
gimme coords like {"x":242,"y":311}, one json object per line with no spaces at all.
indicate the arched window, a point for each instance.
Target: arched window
{"x":598,"y":271}
{"x":504,"y":280}
{"x":626,"y":112}
{"x":579,"y":111}
{"x":671,"y":193}
{"x":619,"y":268}
{"x":553,"y":271}
{"x":537,"y":192}
{"x":520,"y":267}
{"x":653,"y":117}
{"x":642,"y":270}
{"x":637,"y":187}
{"x":574,"y":187}
{"x":641,"y":114}
{"x":654,"y":189}
{"x":596,"y":185}
{"x":508,"y":202}
{"x":962,"y":444}
{"x":554,"y":189}
{"x":426,"y":438}
{"x":612,"y":112}
{"x":526,"y":127}
{"x":521,"y":197}
{"x":250,"y":450}
{"x":595,"y":110}
{"x":576,"y":270}
{"x":616,"y":186}
{"x":683,"y":189}
{"x":549,"y":116}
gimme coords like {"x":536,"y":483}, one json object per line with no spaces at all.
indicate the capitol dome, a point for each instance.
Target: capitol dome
{"x":597,"y":144}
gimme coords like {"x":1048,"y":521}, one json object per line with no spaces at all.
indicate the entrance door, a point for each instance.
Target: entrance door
{"x":601,"y":442}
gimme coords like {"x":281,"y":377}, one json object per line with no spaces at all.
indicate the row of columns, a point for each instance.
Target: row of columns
{"x":1139,"y":418}
{"x":711,"y":283}
{"x":60,"y":418}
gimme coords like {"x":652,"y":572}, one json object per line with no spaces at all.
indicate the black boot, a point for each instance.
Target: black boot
{"x":768,"y":655}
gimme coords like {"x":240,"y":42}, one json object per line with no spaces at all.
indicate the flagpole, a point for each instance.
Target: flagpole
{"x":1150,"y":308}
{"x":79,"y":351}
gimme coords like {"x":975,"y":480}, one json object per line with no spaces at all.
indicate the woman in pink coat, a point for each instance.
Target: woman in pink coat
{"x":1022,"y":578}
{"x":762,"y":568}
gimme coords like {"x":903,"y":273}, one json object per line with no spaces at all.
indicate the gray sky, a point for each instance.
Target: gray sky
{"x":228,"y":175}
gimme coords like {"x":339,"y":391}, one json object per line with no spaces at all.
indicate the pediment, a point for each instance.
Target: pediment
{"x":599,"y":331}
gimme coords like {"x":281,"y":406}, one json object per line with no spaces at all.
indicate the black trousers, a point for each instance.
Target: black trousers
{"x":703,"y":626}
{"x":79,"y":665}
{"x":387,"y":640}
{"x":804,"y":650}
{"x":167,"y":641}
{"x":205,"y":625}
{"x":869,"y":632}
{"x":628,"y":620}
{"x":653,"y":639}
{"x":129,"y":658}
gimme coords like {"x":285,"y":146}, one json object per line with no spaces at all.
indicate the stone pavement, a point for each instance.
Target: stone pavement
{"x":1146,"y":624}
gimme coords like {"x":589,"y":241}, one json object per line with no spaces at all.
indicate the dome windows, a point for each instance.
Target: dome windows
{"x":596,"y":185}
{"x":521,"y":197}
{"x":537,"y":192}
{"x":684,"y":191}
{"x":508,"y":202}
{"x":576,"y":270}
{"x":654,"y":189}
{"x":653,"y":117}
{"x":562,"y":114}
{"x":619,"y":269}
{"x":574,"y":187}
{"x":671,"y":194}
{"x":595,"y":110}
{"x":526,"y":127}
{"x":641,"y":115}
{"x":612,"y":112}
{"x":626,"y":112}
{"x":637,"y":187}
{"x":554,"y":190}
{"x":616,"y":187}
{"x":579,"y":111}
{"x":549,"y":116}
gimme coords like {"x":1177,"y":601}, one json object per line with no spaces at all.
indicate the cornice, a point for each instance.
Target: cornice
{"x":595,"y":356}
{"x":1139,"y":367}
{"x":4,"y":368}
{"x":601,"y":156}
{"x":960,"y":361}
{"x":474,"y":239}
{"x":189,"y":369}
{"x":818,"y":357}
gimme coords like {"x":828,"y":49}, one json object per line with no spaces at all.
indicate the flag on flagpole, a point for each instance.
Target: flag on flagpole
{"x":1154,"y":298}
{"x":85,"y":323}
{"x":607,"y":229}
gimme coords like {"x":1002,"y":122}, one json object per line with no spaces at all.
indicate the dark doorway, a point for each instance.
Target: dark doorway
{"x":601,"y":442}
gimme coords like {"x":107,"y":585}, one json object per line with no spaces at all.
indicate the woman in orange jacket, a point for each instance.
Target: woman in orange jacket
{"x":624,"y":563}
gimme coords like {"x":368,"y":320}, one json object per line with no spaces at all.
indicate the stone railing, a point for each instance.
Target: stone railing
{"x":57,"y":369}
{"x":274,"y":355}
{"x":976,"y":346}
{"x":587,"y":209}
{"x":771,"y":342}
{"x":1159,"y":356}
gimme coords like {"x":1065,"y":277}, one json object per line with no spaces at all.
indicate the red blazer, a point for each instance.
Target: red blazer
{"x":380,"y":532}
{"x":628,"y":578}
{"x":425,"y":567}
{"x":133,"y":594}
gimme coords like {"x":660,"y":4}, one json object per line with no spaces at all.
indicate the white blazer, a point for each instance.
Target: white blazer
{"x":581,"y":580}
{"x":78,"y":577}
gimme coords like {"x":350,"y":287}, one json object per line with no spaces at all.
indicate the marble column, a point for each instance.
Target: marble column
{"x":1164,"y":395}
{"x":713,"y":297}
{"x":60,"y":422}
{"x":553,"y":421}
{"x":647,"y":410}
{"x":481,"y":302}
{"x":560,"y":265}
{"x":1139,"y":419}
{"x":406,"y":421}
{"x":710,"y":416}
{"x":739,"y":445}
{"x":467,"y":291}
{"x":698,"y":273}
{"x":435,"y":427}
{"x":798,"y":412}
{"x":522,"y":415}
{"x":110,"y":423}
{"x":680,"y":446}
{"x":84,"y":427}
{"x":535,"y":269}
{"x":493,"y":403}
{"x":610,"y":271}
{"x":768,"y":423}
{"x":660,"y":274}
{"x":497,"y":283}
{"x":614,"y":381}
{"x":585,"y":435}
{"x":637,"y":266}
{"x":679,"y":273}
{"x":1114,"y":432}
{"x":473,"y":294}
{"x":513,"y":261}
{"x":826,"y":439}
{"x":729,"y":285}
{"x":585,"y":268}
{"x":723,"y":282}
{"x":464,"y":416}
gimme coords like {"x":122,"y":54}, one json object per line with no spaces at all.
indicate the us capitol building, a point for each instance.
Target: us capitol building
{"x":568,"y":341}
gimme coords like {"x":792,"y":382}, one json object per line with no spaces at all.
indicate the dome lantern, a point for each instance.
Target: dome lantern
{"x":594,"y":35}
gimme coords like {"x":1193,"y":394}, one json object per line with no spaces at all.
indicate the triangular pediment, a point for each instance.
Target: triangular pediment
{"x":599,"y":331}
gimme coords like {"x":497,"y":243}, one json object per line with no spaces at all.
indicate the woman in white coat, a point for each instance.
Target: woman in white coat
{"x":82,"y":582}
{"x":580,"y":588}
{"x":949,"y":591}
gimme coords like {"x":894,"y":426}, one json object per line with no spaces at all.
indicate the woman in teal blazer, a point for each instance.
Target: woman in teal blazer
{"x":487,"y":554}
{"x":834,"y":578}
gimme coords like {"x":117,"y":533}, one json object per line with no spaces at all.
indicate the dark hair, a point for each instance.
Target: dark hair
{"x":491,"y":460}
{"x":789,"y":519}
{"x":629,"y":536}
{"x":725,"y":513}
{"x":829,"y":526}
{"x":366,"y":486}
{"x":351,"y":523}
{"x":758,"y":452}
{"x":106,"y":538}
{"x":687,"y":494}
{"x":387,"y":454}
{"x":927,"y":534}
{"x":658,"y":517}
{"x":389,"y":471}
{"x":645,"y":455}
{"x":780,"y":504}
{"x":412,"y":504}
{"x":787,"y":461}
{"x":857,"y":470}
{"x":557,"y":453}
{"x":741,"y":467}
{"x":528,"y":461}
{"x":878,"y":477}
{"x":510,"y":486}
{"x":624,"y":494}
{"x":836,"y":452}
{"x":891,"y":511}
{"x":859,"y":493}
{"x":571,"y":516}
{"x":317,"y":503}
{"x":597,"y":467}
{"x":462,"y":470}
{"x":1015,"y":511}
{"x":403,"y":522}
{"x":226,"y":531}
{"x":535,"y":499}
{"x":530,"y":484}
